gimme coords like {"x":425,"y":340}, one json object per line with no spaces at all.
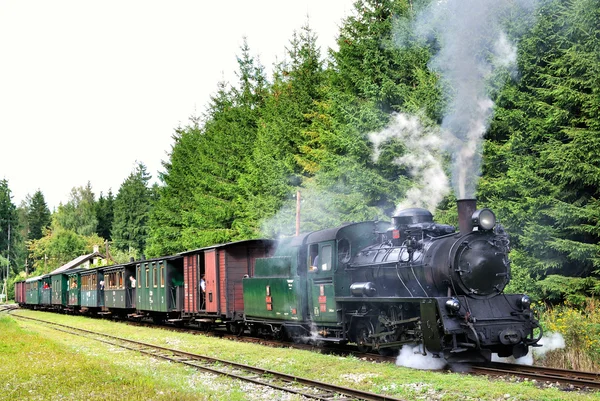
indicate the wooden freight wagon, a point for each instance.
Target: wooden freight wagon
{"x":222,"y":267}
{"x":92,"y":289}
{"x":159,"y":288}
{"x":20,"y":293}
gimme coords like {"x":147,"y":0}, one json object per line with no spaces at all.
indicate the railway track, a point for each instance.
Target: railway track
{"x":7,"y":308}
{"x":541,"y":374}
{"x":308,"y":388}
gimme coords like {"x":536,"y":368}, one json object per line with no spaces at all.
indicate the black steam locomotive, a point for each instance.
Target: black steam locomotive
{"x":382,"y":287}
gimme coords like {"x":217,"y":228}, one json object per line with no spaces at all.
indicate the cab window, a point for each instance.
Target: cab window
{"x":325,"y":262}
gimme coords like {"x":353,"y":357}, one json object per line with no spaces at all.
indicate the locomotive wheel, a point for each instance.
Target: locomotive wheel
{"x":387,"y":351}
{"x":363,"y":329}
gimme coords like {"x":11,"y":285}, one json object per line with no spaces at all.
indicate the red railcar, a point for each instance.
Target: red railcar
{"x":222,"y":267}
{"x":20,"y":294}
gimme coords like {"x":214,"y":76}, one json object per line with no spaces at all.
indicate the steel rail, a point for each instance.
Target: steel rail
{"x":540,"y":373}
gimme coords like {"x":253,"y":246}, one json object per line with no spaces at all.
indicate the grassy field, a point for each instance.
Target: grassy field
{"x":38,"y":363}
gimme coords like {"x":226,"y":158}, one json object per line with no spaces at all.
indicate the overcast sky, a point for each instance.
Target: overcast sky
{"x":89,"y":87}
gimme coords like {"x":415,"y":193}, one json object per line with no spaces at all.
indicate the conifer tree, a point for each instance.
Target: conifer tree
{"x":105,"y":214}
{"x":9,"y":227}
{"x":131,"y":211}
{"x":38,"y":215}
{"x":543,"y":167}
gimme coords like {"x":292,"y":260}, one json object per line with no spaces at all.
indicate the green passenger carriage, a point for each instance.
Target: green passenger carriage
{"x":92,"y":289}
{"x":74,"y":284}
{"x":32,"y":290}
{"x":159,"y":287}
{"x":46,"y":290}
{"x":117,"y":298}
{"x":59,"y":289}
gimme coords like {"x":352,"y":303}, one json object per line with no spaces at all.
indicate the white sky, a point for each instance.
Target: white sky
{"x":89,"y":87}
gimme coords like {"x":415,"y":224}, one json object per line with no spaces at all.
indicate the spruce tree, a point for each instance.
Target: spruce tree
{"x":543,"y":168}
{"x":9,"y":227}
{"x":105,"y":214}
{"x":38,"y":215}
{"x":131,"y":211}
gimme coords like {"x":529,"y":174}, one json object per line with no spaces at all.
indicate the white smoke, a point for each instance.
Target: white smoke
{"x":472,"y":46}
{"x":424,"y":159}
{"x":411,"y":357}
{"x":549,"y":342}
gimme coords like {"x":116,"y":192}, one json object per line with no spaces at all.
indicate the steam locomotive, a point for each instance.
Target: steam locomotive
{"x":368,"y":283}
{"x":382,"y":287}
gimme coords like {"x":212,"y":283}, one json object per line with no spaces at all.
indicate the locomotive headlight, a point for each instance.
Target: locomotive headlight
{"x":453,"y":305}
{"x":525,"y":302}
{"x":485,"y":219}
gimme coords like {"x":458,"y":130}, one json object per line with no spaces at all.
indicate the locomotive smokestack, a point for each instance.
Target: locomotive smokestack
{"x":466,"y":208}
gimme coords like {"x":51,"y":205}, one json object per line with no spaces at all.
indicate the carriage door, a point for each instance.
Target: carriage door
{"x":211,"y":277}
{"x":320,"y":280}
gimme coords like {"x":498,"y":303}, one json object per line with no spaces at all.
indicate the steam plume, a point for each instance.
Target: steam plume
{"x":423,"y":160}
{"x":549,"y":342}
{"x":411,"y":357}
{"x":472,"y":47}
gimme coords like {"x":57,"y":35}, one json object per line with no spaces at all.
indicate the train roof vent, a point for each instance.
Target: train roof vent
{"x":413,"y":216}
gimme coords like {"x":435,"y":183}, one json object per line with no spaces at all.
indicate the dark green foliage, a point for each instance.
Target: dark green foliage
{"x":131,"y":212}
{"x":542,"y":173}
{"x":38,"y":215}
{"x":374,"y":73}
{"x":9,"y":228}
{"x":105,"y":215}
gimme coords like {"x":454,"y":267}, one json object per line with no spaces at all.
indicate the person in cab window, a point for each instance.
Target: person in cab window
{"x":132,"y":280}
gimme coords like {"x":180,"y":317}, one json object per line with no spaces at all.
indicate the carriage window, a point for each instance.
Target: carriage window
{"x":139,"y":275}
{"x":147,"y":276}
{"x":154,"y":277}
{"x":162,"y":276}
{"x":325,"y":263}
{"x":120,"y":276}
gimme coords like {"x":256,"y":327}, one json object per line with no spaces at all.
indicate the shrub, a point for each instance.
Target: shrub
{"x":580,"y":327}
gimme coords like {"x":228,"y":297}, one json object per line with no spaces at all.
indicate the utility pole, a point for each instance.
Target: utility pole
{"x":5,"y":287}
{"x":297,"y":213}
{"x":7,"y":268}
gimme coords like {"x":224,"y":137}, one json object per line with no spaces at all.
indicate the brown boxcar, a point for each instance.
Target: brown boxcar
{"x":222,"y":267}
{"x":20,"y":295}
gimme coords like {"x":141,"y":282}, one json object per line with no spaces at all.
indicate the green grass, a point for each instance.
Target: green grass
{"x":60,"y":366}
